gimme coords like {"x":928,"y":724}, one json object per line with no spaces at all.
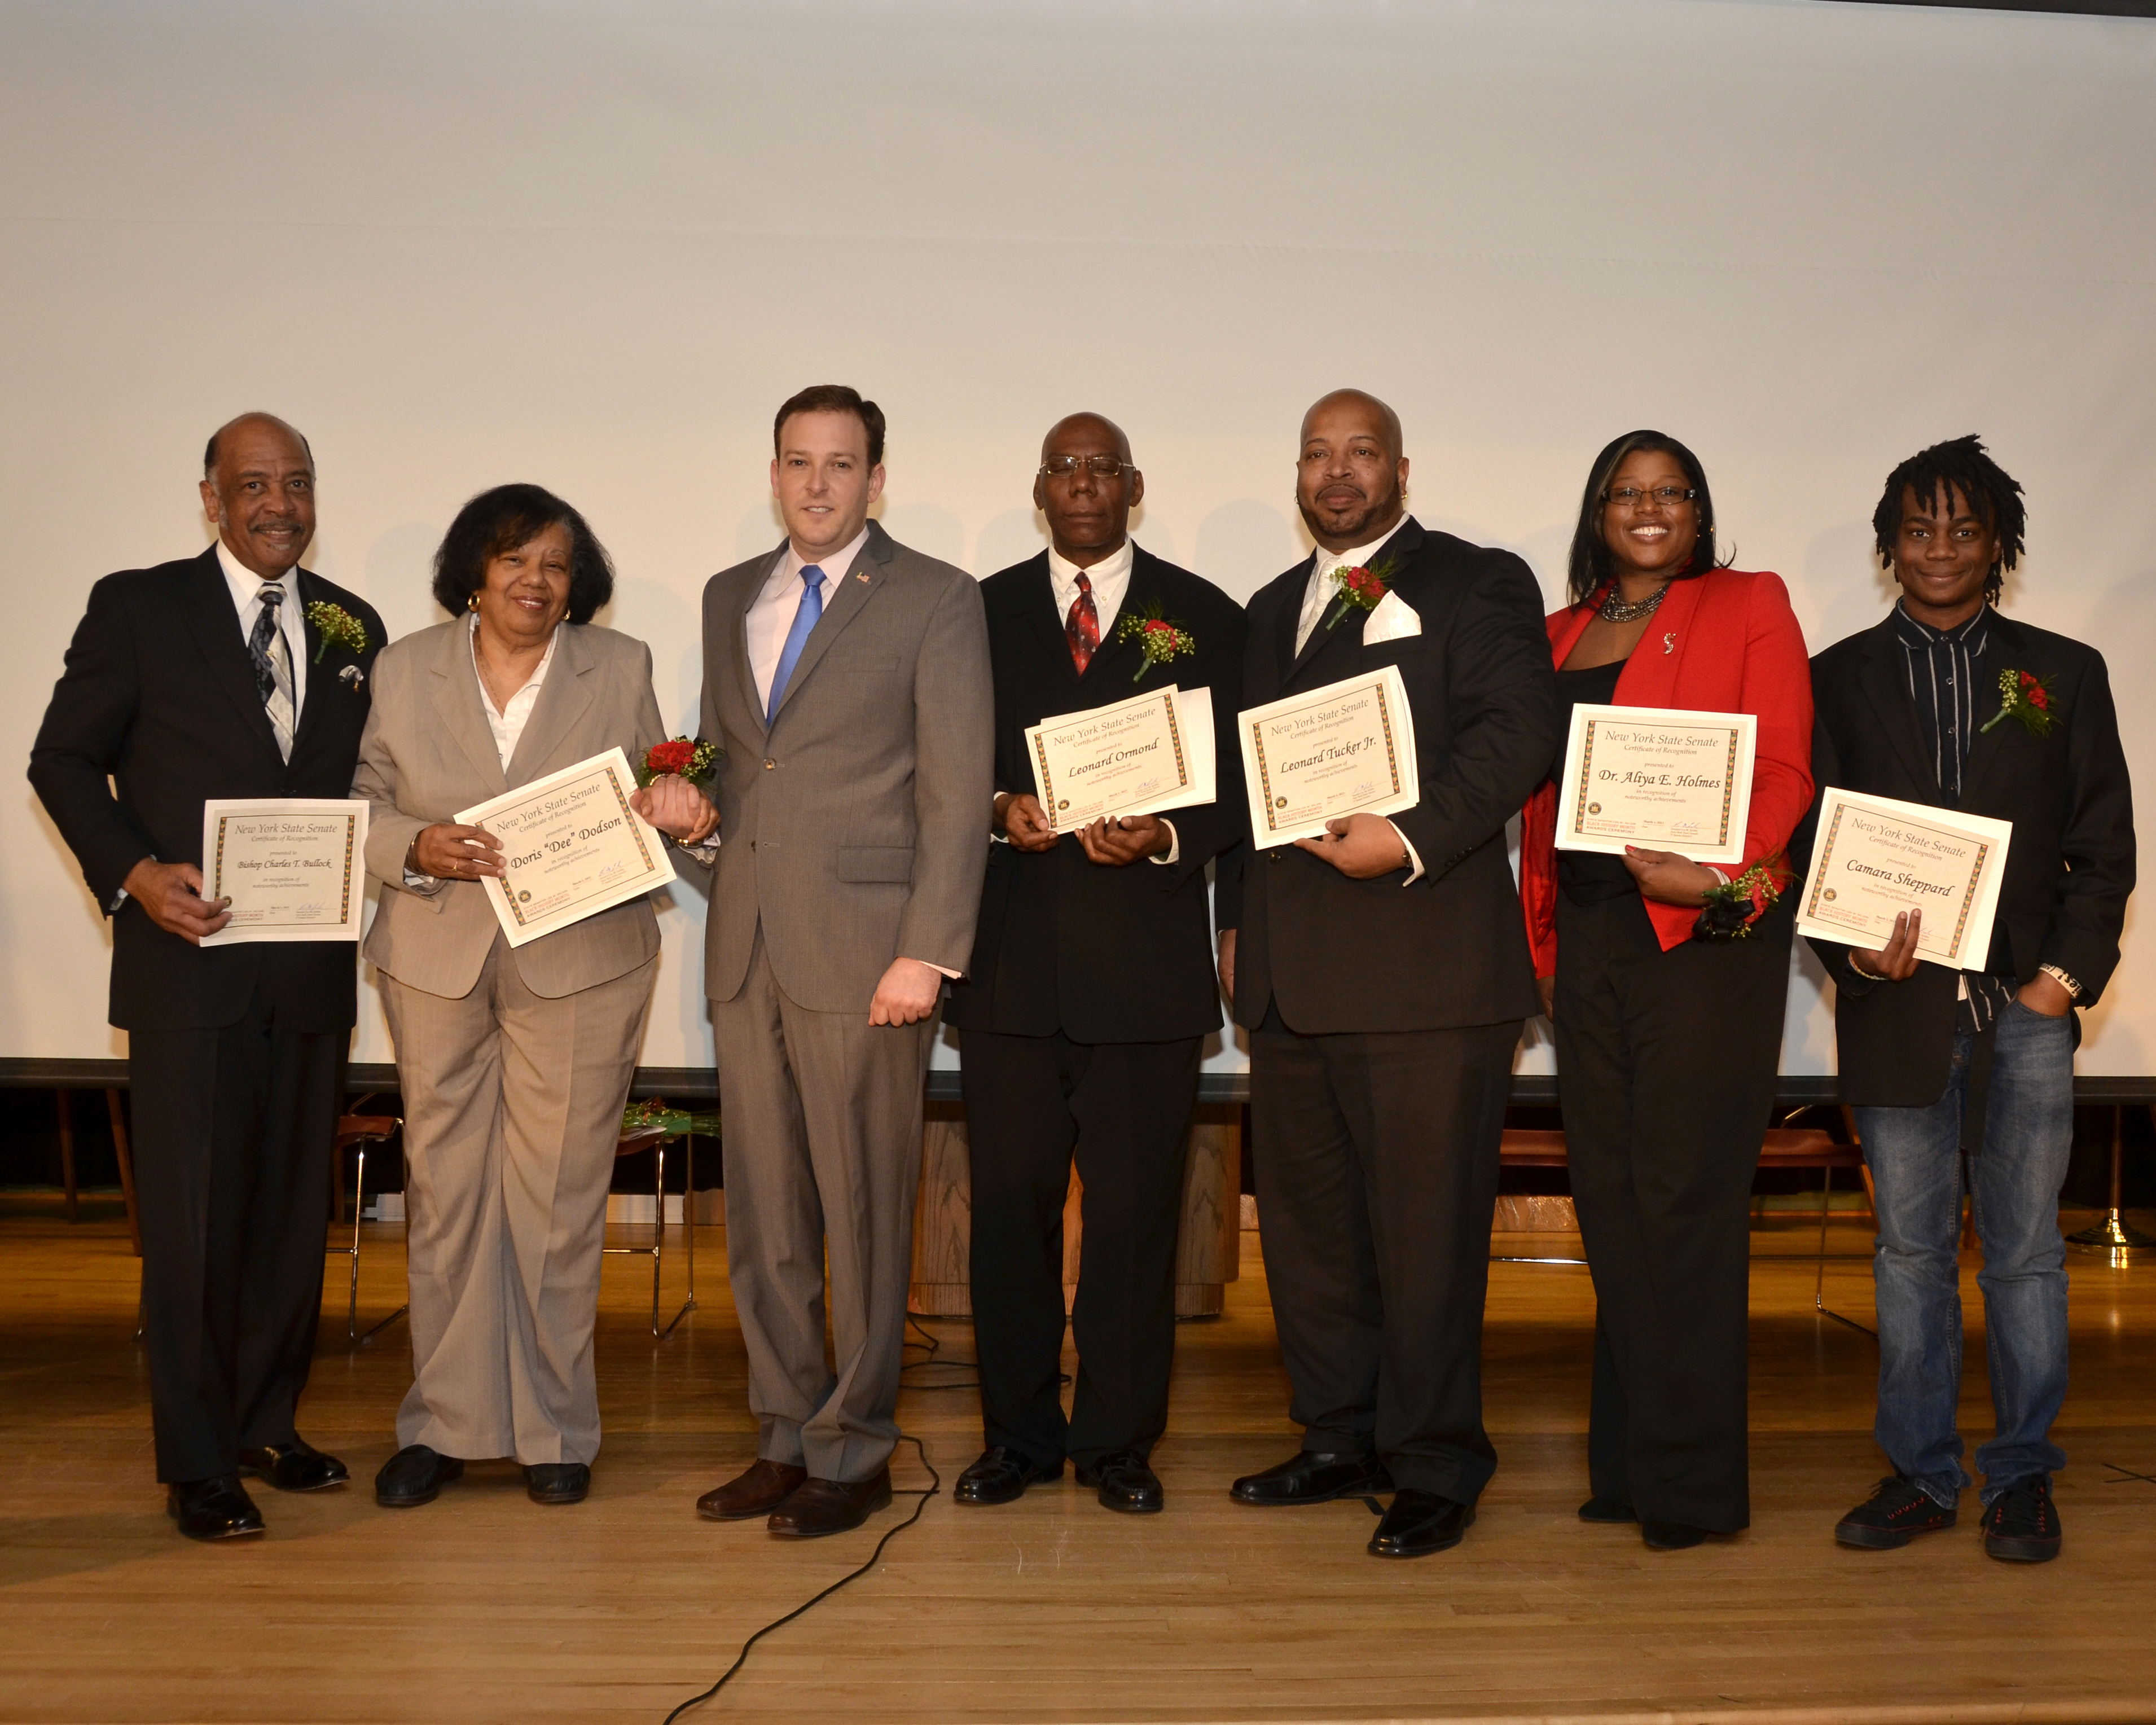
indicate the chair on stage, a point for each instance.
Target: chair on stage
{"x":354,"y":1133}
{"x":653,"y":1126}
{"x":117,"y":1114}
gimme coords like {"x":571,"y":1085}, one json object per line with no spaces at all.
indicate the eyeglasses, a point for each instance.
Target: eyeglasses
{"x":1099,"y":466}
{"x":1631,"y":496}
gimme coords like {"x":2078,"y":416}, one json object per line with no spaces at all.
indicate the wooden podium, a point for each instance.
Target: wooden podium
{"x":1207,"y":1255}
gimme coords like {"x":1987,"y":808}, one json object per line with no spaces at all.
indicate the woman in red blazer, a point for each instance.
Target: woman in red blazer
{"x":1666,"y":986}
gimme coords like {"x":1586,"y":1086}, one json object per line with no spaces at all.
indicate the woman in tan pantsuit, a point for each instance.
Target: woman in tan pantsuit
{"x":514,"y":1063}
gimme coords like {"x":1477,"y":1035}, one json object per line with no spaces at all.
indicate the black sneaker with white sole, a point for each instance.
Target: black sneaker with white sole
{"x":2022,"y":1524}
{"x":1897,"y":1510}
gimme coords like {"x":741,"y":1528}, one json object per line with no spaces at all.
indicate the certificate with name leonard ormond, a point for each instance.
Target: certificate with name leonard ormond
{"x":1663,"y":779}
{"x":293,"y":867}
{"x":1136,"y":756}
{"x":1348,"y":748}
{"x":1876,"y":857}
{"x":572,"y":847}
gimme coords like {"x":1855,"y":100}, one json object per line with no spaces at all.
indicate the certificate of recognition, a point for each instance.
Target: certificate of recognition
{"x":1151,"y":753}
{"x":293,"y":867}
{"x":1876,"y":857}
{"x":1661,"y":778}
{"x":1348,"y":748}
{"x":572,"y":847}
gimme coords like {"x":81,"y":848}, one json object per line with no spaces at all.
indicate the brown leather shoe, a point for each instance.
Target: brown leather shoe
{"x":757,"y":1493}
{"x":832,"y":1505}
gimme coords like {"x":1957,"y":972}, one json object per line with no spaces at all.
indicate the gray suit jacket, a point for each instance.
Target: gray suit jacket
{"x":855,"y":827}
{"x":427,"y":752}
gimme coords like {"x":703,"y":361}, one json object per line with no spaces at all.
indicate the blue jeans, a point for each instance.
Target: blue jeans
{"x":1915,"y":1168}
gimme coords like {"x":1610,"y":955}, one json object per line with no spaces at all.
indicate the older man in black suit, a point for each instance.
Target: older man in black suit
{"x":1383,"y":974}
{"x":1089,"y":993}
{"x":208,"y":677}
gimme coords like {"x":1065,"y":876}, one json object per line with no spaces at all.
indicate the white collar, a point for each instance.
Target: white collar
{"x":1112,"y":568}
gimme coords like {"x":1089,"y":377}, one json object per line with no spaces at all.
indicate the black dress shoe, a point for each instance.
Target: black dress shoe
{"x":1001,"y":1476}
{"x":1419,"y":1523}
{"x":1598,"y":1508}
{"x":213,"y":1509}
{"x":1311,"y":1476}
{"x":823,"y":1507}
{"x":557,"y":1482}
{"x":1671,"y":1536}
{"x":415,"y":1475}
{"x":296,"y":1466}
{"x":1897,"y":1510}
{"x":1127,"y":1483}
{"x":756,"y":1490}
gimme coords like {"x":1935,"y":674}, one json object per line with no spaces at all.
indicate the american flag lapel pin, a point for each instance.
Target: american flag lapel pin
{"x":861,"y":576}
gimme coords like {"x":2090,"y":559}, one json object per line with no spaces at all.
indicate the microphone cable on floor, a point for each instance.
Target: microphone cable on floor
{"x":920,"y":1494}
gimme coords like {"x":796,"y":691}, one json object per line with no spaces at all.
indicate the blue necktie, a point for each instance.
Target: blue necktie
{"x":797,"y":638}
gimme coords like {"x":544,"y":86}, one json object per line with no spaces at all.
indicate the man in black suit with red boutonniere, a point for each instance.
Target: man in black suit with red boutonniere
{"x":235,"y":674}
{"x":1947,"y":702}
{"x":1382,"y":971}
{"x":1090,"y":993}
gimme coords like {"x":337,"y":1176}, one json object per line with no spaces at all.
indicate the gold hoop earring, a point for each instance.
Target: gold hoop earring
{"x":471,"y":601}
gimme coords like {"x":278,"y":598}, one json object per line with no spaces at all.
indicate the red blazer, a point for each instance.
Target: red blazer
{"x":1724,"y":642}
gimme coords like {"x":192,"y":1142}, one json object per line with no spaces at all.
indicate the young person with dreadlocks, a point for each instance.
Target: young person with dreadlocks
{"x":1666,"y":981}
{"x":1946,"y":701}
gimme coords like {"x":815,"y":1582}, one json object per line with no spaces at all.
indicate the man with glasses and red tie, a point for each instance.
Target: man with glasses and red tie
{"x":846,"y":683}
{"x":1089,"y":994}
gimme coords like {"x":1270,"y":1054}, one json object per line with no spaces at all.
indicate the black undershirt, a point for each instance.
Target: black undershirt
{"x":1584,"y":877}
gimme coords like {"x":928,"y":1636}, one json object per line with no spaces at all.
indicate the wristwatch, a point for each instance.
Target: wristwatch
{"x":2072,"y":988}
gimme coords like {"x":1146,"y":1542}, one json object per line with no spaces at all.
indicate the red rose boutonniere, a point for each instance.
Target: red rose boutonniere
{"x":692,"y":758}
{"x":1361,"y":589}
{"x":1158,"y":639}
{"x":2027,"y":696}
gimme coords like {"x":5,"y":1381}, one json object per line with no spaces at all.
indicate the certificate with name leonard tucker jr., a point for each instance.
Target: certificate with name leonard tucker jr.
{"x":1348,"y":748}
{"x":572,"y":847}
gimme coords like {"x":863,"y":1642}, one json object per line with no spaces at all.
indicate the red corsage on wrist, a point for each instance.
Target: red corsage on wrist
{"x":692,"y":758}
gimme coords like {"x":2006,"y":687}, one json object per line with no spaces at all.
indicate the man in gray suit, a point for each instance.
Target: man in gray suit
{"x":846,"y":678}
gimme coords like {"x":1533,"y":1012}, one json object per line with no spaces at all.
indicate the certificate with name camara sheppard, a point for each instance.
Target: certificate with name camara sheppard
{"x":1876,"y":857}
{"x":572,"y":847}
{"x":293,"y":867}
{"x":1348,"y":748}
{"x":1663,"y":779}
{"x":1137,"y":757}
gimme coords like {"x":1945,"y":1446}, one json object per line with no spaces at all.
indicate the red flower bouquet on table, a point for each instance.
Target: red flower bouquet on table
{"x":692,"y":758}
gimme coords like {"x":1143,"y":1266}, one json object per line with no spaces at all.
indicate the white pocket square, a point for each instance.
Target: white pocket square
{"x":1393,"y":619}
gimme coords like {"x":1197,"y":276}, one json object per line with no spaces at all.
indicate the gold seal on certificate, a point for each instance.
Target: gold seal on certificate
{"x":1659,"y":777}
{"x":293,"y":867}
{"x":571,"y":847}
{"x":1348,"y":748}
{"x":1876,"y":857}
{"x":1151,"y":753}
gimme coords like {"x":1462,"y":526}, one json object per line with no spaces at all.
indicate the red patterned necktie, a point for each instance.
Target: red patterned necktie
{"x":1082,"y":630}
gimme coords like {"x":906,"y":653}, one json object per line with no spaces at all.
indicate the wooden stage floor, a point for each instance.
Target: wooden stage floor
{"x":483,"y":1607}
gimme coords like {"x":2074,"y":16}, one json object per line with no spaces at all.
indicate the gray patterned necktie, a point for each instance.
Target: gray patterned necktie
{"x":273,"y":666}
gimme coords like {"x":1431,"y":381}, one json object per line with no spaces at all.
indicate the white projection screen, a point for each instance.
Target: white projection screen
{"x":593,"y":245}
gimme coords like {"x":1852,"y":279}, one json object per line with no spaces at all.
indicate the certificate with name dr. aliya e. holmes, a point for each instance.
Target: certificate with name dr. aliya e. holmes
{"x":572,"y":847}
{"x":1663,"y":779}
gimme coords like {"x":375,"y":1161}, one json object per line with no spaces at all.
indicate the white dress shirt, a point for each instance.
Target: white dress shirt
{"x":772,"y":612}
{"x":507,"y":725}
{"x":1319,"y":595}
{"x":246,"y":588}
{"x":1110,"y":579}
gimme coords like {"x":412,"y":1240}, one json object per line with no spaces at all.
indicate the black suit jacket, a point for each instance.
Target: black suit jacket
{"x":2069,"y":867}
{"x":158,"y":696}
{"x":1451,"y":949}
{"x":1102,"y":954}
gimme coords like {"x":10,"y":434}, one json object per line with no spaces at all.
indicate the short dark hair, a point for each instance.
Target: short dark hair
{"x":1933,"y":475}
{"x":210,"y":448}
{"x":834,"y":398}
{"x":504,"y":518}
{"x":1589,"y":568}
